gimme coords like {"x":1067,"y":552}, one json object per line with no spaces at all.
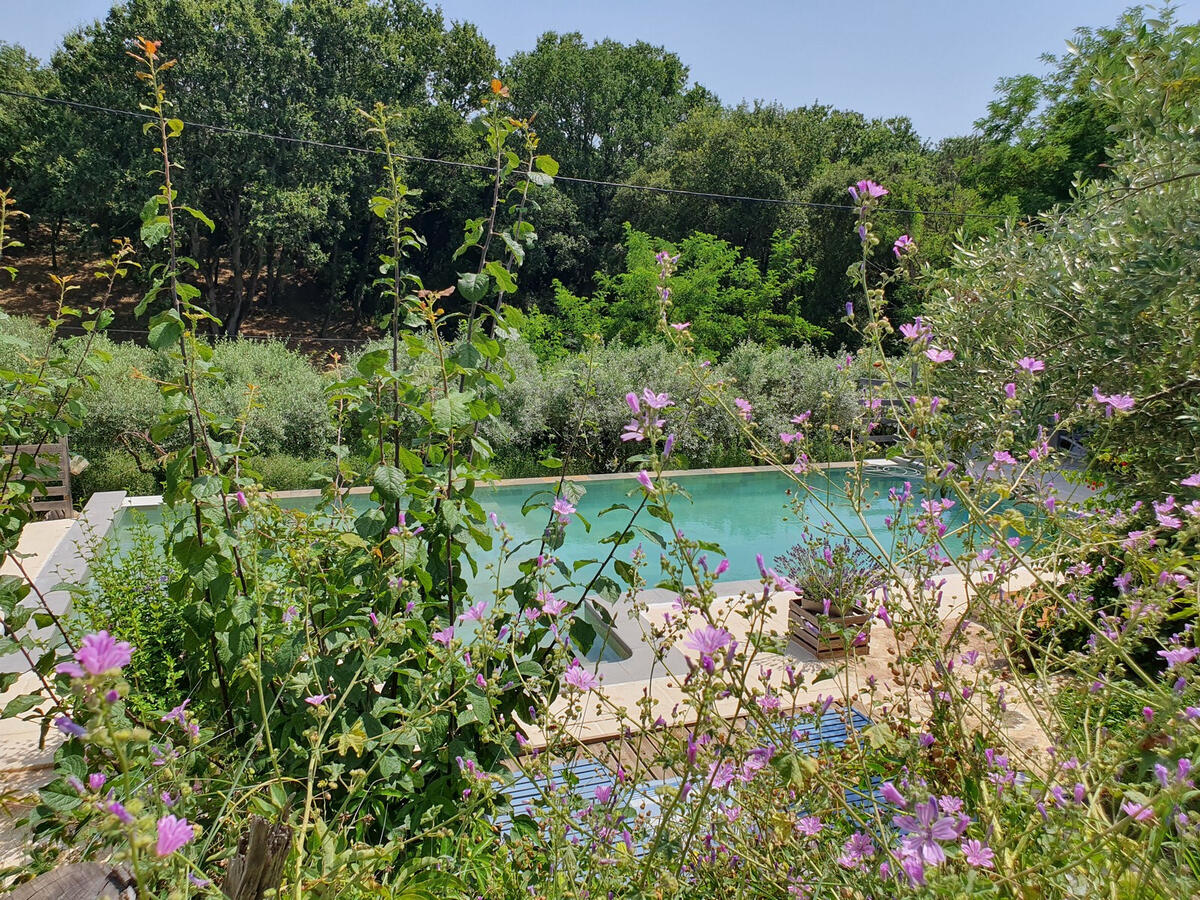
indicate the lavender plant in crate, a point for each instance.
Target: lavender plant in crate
{"x":833,"y":577}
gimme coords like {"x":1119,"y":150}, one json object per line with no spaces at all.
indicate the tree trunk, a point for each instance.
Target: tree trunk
{"x":55,"y":231}
{"x":272,"y":268}
{"x":79,"y":881}
{"x":233,"y":320}
{"x":258,"y":867}
{"x":255,"y":277}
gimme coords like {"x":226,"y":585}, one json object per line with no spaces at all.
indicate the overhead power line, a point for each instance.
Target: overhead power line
{"x":349,"y":148}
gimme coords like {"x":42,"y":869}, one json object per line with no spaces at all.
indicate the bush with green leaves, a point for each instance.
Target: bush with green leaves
{"x":1103,"y":289}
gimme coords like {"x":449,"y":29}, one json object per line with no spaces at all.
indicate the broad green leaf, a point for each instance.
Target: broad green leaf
{"x":474,"y":286}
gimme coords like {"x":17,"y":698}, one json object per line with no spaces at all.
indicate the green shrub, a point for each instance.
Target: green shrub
{"x":127,"y":596}
{"x":281,"y":472}
{"x":115,"y":471}
{"x":289,"y":413}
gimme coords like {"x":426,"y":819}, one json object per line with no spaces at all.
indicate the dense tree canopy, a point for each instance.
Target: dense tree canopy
{"x":291,"y":218}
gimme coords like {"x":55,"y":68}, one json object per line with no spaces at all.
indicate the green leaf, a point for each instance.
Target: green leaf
{"x":514,"y":247}
{"x":390,"y":482}
{"x":504,"y":279}
{"x":474,"y":286}
{"x":547,"y":164}
{"x":355,"y":739}
{"x":452,"y":411}
{"x":199,"y":216}
{"x":165,"y":329}
{"x":410,"y":461}
{"x":540,"y":179}
{"x":20,"y":704}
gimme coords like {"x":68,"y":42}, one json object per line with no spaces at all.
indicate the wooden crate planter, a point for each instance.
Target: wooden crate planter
{"x":827,"y":642}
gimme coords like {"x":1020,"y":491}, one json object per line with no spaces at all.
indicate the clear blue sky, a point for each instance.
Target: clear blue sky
{"x":933,"y":60}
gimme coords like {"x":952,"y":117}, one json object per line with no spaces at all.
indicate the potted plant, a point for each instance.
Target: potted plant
{"x":833,"y":578}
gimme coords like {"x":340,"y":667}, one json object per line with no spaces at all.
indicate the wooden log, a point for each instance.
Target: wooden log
{"x":258,"y":867}
{"x":79,"y":881}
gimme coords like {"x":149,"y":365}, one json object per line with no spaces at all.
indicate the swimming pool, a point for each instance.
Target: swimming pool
{"x":746,"y":512}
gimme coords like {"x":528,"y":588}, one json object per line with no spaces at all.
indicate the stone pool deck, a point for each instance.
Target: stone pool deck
{"x":606,"y":713}
{"x":24,"y":765}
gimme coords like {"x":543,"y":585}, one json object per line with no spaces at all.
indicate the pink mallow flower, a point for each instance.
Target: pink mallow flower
{"x":939,"y":356}
{"x":580,"y":678}
{"x":1179,"y":656}
{"x":867,"y":190}
{"x":1111,"y":402}
{"x":564,"y":508}
{"x":173,"y":833}
{"x":1029,"y":364}
{"x":904,"y":244}
{"x":99,"y":654}
{"x":923,"y":831}
{"x":977,"y":853}
{"x":709,"y":641}
{"x":745,"y":408}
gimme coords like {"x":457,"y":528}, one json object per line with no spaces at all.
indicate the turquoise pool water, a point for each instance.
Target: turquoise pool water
{"x":746,"y":513}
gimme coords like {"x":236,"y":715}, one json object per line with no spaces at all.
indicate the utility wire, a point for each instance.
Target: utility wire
{"x":347,"y":148}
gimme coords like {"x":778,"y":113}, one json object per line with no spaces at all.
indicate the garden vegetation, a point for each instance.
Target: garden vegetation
{"x":370,"y":679}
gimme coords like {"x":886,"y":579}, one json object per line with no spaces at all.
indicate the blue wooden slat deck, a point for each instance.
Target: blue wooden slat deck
{"x":525,"y":793}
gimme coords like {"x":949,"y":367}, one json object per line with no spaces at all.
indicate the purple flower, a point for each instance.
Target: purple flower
{"x":474,"y":613}
{"x":118,"y":809}
{"x":444,"y":636}
{"x":564,"y":508}
{"x":1137,"y":811}
{"x":632,"y":399}
{"x":69,"y":727}
{"x":708,"y":641}
{"x":241,"y":499}
{"x":668,"y":445}
{"x":1119,"y":402}
{"x":1010,"y":390}
{"x":904,"y":244}
{"x":917,"y":330}
{"x":99,"y":654}
{"x":939,"y":356}
{"x":289,"y":615}
{"x":96,"y":780}
{"x":552,"y":606}
{"x":893,"y":796}
{"x":580,"y":678}
{"x":924,"y":830}
{"x":721,"y":775}
{"x":865,"y":190}
{"x":644,"y":480}
{"x":179,"y":716}
{"x":1179,"y":656}
{"x":1029,"y":364}
{"x":857,"y":847}
{"x":1191,"y":481}
{"x":810,"y":825}
{"x":976,"y":853}
{"x":1002,"y":458}
{"x":657,"y":401}
{"x":173,"y":833}
{"x":317,"y":699}
{"x":744,"y":407}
